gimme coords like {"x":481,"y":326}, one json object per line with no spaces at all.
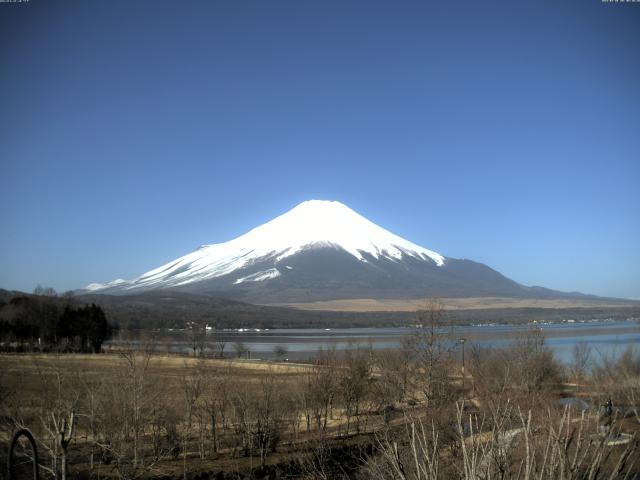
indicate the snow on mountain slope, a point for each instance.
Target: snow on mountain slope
{"x":314,"y":223}
{"x":98,"y":286}
{"x":259,"y":276}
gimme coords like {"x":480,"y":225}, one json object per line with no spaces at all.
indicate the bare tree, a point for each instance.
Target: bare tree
{"x":561,"y":446}
{"x":524,"y":374}
{"x":269,"y":414}
{"x":197,"y":332}
{"x":280,"y":352}
{"x":139,"y":394}
{"x":354,"y":382}
{"x":320,"y":389}
{"x":58,"y":415}
{"x":90,"y":412}
{"x":219,"y":343}
{"x":192,"y":389}
{"x":240,"y":348}
{"x":581,"y":361}
{"x":432,"y":344}
{"x":417,"y":457}
{"x":618,"y":378}
{"x":493,"y":375}
{"x":216,"y":395}
{"x":44,"y":291}
{"x":260,"y":415}
{"x":391,"y":380}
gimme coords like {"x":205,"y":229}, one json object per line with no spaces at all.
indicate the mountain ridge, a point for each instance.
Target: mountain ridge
{"x":322,"y":250}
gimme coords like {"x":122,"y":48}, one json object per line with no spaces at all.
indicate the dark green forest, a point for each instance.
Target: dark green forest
{"x":45,"y":322}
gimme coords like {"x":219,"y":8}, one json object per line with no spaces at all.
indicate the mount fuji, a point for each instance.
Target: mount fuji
{"x":322,"y":250}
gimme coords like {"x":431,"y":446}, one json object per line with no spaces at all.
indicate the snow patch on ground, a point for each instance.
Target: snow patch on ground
{"x":259,"y":276}
{"x":99,"y":286}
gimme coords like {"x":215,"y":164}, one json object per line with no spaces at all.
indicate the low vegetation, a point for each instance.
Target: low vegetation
{"x":411,"y":413}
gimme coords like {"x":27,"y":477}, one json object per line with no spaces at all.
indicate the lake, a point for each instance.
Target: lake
{"x":606,"y":337}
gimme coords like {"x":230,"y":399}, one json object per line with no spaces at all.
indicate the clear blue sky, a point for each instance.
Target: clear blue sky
{"x":506,"y":132}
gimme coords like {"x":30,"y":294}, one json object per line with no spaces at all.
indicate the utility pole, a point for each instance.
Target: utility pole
{"x":462,"y":340}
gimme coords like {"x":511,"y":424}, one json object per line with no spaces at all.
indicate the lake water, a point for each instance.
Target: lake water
{"x":606,"y":337}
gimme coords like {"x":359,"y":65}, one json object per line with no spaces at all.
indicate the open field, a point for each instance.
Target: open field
{"x":24,"y":372}
{"x":139,"y":414}
{"x":16,"y":366}
{"x":412,"y":305}
{"x":245,"y":393}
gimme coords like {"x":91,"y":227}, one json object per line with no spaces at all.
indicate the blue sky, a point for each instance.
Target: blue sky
{"x":504,"y":132}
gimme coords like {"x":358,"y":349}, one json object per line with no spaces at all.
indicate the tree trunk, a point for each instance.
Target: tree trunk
{"x":63,"y":464}
{"x":214,"y":431}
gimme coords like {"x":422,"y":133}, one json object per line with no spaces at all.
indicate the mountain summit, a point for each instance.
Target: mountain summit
{"x":321,"y":250}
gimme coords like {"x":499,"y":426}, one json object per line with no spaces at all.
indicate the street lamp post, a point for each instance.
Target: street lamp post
{"x":462,"y":340}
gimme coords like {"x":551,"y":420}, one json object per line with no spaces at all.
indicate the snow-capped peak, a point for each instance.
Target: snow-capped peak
{"x":314,"y":223}
{"x":331,"y":223}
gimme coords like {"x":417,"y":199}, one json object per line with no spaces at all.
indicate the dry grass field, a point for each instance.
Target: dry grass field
{"x":257,"y":404}
{"x":143,"y":415}
{"x":24,"y":374}
{"x":412,"y":305}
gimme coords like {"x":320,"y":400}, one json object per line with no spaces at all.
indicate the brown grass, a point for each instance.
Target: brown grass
{"x":412,"y":305}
